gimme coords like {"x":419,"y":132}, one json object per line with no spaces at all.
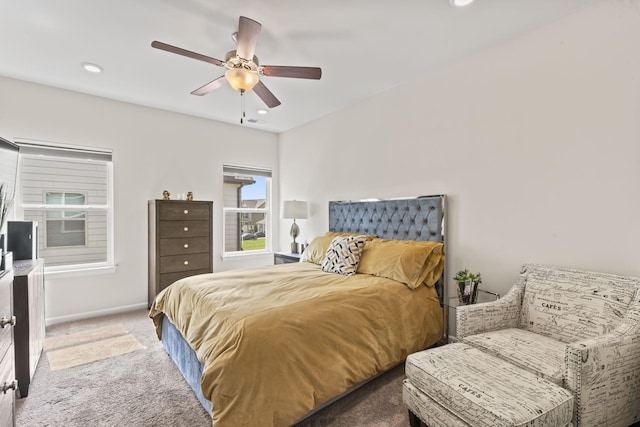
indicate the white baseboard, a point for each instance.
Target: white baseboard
{"x":91,"y":314}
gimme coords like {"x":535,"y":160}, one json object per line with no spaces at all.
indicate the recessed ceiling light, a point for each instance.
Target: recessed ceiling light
{"x":92,"y":68}
{"x":261,"y":111}
{"x":461,"y":3}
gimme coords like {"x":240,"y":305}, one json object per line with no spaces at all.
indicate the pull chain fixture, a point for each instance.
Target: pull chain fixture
{"x":242,"y":109}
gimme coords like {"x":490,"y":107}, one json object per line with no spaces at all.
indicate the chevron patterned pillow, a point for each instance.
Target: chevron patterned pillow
{"x":343,"y":255}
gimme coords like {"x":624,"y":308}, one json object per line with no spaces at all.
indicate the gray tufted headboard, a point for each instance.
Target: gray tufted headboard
{"x":418,"y":218}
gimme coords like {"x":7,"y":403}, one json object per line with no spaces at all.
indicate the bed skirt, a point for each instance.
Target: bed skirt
{"x":185,"y":359}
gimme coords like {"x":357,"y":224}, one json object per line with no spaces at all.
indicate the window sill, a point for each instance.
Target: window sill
{"x":64,"y":272}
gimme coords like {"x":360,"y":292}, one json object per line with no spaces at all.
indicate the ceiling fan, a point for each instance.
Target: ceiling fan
{"x":243,"y":69}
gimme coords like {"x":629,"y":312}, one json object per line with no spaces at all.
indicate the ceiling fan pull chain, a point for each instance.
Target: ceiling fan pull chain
{"x":241,"y":107}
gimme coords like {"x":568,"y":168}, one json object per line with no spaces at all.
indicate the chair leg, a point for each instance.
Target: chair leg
{"x":414,"y":421}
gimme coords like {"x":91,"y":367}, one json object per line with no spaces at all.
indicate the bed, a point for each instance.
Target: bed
{"x":271,"y":345}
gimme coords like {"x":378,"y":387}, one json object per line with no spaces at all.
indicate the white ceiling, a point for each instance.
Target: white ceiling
{"x":364,"y":47}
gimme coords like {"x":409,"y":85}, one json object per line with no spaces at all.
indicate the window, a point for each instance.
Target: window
{"x":65,"y":228}
{"x":67,"y":190}
{"x":247,"y":209}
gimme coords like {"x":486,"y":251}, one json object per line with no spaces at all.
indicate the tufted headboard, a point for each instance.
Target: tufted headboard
{"x":419,"y":218}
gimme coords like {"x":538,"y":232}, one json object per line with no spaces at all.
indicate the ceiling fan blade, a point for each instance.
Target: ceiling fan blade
{"x":265,"y":94}
{"x":248,"y":33}
{"x":295,"y":72}
{"x":211,"y":86}
{"x":187,"y":53}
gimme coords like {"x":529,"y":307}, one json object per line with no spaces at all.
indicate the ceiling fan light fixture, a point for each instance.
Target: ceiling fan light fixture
{"x":241,"y":79}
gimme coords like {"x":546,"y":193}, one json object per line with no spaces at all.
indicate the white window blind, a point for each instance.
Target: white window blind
{"x":68,"y":191}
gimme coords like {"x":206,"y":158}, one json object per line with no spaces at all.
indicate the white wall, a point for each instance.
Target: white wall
{"x":153,"y":150}
{"x":536,"y":143}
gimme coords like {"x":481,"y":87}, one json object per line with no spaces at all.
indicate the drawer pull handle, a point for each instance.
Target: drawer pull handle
{"x":186,"y":263}
{"x":186,"y":245}
{"x":7,"y":321}
{"x":186,"y":211}
{"x":186,"y":229}
{"x":10,"y":385}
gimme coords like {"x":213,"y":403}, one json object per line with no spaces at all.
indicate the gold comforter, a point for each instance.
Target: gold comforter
{"x":278,"y":341}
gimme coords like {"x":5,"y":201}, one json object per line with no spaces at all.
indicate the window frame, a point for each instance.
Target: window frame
{"x":266,"y":210}
{"x":80,"y":154}
{"x":51,"y":207}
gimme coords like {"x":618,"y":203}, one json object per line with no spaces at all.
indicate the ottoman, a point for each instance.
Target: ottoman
{"x":459,"y":385}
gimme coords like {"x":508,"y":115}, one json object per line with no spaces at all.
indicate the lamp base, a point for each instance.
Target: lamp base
{"x":294,"y":248}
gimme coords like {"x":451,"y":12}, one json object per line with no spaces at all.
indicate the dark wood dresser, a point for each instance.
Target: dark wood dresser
{"x":180,"y":241}
{"x":8,"y":381}
{"x":28,"y":307}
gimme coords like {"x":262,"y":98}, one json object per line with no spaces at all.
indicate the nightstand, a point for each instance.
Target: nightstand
{"x":285,"y":258}
{"x":453,"y":302}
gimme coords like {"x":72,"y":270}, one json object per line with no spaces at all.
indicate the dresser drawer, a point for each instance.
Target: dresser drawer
{"x":6,"y":339}
{"x":6,"y":399}
{"x":169,"y":278}
{"x":6,"y":333}
{"x":184,"y":245}
{"x":174,"y":263}
{"x":169,"y":229}
{"x":188,"y":210}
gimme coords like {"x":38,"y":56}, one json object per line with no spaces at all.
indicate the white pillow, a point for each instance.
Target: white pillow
{"x":343,"y":255}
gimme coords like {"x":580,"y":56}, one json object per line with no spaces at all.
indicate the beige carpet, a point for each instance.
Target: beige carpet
{"x":69,"y":350}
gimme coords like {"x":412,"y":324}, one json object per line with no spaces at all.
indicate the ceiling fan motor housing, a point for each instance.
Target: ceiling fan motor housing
{"x":232,"y":60}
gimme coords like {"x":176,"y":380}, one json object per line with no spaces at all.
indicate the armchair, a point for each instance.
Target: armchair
{"x":577,"y":329}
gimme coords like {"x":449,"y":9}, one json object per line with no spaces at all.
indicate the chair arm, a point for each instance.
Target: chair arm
{"x":490,"y":316}
{"x":604,"y":374}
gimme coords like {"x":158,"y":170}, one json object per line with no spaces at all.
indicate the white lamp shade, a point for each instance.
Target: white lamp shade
{"x":294,"y":209}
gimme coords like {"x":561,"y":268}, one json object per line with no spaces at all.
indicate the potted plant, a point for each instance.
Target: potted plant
{"x":468,"y":283}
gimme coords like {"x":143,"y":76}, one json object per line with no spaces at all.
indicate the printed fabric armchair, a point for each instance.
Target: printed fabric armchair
{"x":578,"y":329}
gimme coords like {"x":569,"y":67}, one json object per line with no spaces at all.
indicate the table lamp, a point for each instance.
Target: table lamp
{"x":294,"y":209}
